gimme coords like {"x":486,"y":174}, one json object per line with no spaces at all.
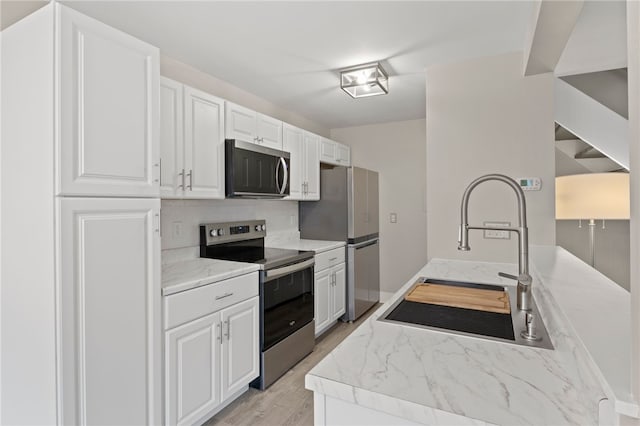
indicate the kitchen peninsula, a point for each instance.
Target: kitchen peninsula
{"x":386,"y":373}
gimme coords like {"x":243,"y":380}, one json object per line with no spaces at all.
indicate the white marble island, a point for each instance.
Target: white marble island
{"x":387,"y":373}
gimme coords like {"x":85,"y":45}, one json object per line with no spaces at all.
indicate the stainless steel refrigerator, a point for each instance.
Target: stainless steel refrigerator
{"x":348,"y":211}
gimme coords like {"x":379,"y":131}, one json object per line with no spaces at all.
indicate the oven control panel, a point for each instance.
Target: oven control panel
{"x":226,"y":232}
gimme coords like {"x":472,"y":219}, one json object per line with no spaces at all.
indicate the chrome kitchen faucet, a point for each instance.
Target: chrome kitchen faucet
{"x":523,"y":278}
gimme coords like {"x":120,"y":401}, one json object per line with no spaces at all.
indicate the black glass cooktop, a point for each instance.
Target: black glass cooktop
{"x":266,"y":257}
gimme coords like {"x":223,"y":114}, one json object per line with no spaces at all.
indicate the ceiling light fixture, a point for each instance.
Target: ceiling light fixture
{"x":364,"y":80}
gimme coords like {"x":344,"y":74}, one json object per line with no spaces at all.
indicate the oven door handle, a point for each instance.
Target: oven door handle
{"x":272,"y":274}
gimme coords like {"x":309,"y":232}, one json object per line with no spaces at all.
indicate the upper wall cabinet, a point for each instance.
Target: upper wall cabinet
{"x":191,"y":141}
{"x":335,"y":153}
{"x":304,"y":182}
{"x":251,"y":126}
{"x":108,"y":85}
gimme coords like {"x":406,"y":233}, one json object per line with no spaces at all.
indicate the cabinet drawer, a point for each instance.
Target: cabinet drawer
{"x":191,"y":304}
{"x":329,"y":258}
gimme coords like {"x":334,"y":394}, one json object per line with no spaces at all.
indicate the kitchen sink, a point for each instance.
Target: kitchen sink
{"x":504,"y":327}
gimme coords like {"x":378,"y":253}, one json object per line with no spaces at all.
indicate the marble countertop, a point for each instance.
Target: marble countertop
{"x":427,"y":375}
{"x":187,"y":274}
{"x":317,"y":246}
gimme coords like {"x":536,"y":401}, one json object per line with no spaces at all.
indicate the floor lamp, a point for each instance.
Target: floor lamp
{"x":592,"y":196}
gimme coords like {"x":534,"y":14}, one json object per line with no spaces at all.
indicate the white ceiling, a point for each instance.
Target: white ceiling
{"x":289,"y":52}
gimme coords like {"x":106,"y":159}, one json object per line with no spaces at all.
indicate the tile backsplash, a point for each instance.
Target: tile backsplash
{"x":181,"y":218}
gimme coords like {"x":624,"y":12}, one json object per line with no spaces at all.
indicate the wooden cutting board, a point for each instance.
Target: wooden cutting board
{"x":460,"y":297}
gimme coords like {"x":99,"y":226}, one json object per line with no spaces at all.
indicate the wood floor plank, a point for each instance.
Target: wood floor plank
{"x":286,"y":402}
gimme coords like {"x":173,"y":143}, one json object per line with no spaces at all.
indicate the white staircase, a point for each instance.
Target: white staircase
{"x":594,"y":124}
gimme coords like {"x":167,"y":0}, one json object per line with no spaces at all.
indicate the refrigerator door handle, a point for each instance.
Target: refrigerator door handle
{"x":364,"y":244}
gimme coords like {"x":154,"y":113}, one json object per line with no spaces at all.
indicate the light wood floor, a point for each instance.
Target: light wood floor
{"x":286,"y":402}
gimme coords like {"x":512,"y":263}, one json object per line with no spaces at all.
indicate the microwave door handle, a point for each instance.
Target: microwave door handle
{"x":277,"y":173}
{"x":286,"y":175}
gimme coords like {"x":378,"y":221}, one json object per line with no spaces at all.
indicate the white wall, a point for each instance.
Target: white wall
{"x":484,"y":117}
{"x":633,"y":44}
{"x":397,"y":151}
{"x":181,"y":218}
{"x":193,"y":77}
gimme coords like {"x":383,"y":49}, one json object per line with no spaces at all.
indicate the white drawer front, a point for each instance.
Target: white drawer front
{"x":329,"y":258}
{"x":192,"y":304}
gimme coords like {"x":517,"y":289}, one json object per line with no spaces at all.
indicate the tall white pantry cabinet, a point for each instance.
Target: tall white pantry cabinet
{"x":80,"y":313}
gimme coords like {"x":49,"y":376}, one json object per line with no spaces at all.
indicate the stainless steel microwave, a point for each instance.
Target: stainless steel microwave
{"x":254,"y":171}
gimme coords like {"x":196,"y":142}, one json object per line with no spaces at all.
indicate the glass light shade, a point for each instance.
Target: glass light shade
{"x":593,"y":196}
{"x":364,"y":80}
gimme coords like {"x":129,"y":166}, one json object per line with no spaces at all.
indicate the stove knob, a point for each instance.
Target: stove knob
{"x":257,"y":228}
{"x":220,"y":232}
{"x":263,"y":227}
{"x":213,"y":232}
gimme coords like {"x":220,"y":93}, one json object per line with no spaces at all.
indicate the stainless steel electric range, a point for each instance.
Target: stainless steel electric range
{"x":286,"y":292}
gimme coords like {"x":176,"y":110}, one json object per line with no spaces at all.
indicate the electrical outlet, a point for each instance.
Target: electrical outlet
{"x":496,"y":234}
{"x":393,"y":218}
{"x":177,"y":229}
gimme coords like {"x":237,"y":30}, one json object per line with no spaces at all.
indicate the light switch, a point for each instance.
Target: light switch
{"x":393,"y":218}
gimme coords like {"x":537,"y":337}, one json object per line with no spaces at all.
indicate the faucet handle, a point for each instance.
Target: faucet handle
{"x":524,"y":279}
{"x":505,"y":275}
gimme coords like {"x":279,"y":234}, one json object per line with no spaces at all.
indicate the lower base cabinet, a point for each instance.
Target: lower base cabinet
{"x":330,"y":289}
{"x":209,"y":361}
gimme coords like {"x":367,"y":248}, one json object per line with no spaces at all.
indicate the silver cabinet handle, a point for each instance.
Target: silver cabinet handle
{"x":190,"y":174}
{"x":219,"y":328}
{"x":223,"y":296}
{"x":183,"y":183}
{"x":159,"y":166}
{"x":332,"y":259}
{"x":228,"y":330}
{"x":157,"y":221}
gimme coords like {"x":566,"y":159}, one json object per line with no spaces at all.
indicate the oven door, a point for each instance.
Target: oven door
{"x":254,"y":171}
{"x":287,"y":301}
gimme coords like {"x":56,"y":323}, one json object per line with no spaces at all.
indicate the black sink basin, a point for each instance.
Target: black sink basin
{"x":458,"y":319}
{"x":489,"y":325}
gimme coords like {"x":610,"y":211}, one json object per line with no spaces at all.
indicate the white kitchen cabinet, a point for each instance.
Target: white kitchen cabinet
{"x":108,"y":97}
{"x":210,"y":359}
{"x":322,"y":286}
{"x":335,"y":153}
{"x":110,"y":310}
{"x":330,"y":288}
{"x":81,"y":331}
{"x":240,"y":353}
{"x":192,"y":142}
{"x":343,"y":154}
{"x":304,"y":181}
{"x":338,"y":304}
{"x":192,"y":358}
{"x":251,"y":126}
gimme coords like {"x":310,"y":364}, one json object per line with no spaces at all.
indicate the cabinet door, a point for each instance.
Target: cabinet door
{"x":269,"y":131}
{"x":327,"y":151}
{"x":171,"y":138}
{"x":339,"y":291}
{"x":322,"y":285}
{"x":293,"y":144}
{"x":312,"y":169}
{"x":204,"y":145}
{"x":240,"y":123}
{"x":110,"y":311}
{"x":109,"y":111}
{"x":192,"y":381}
{"x":241,"y":346}
{"x":343,"y":154}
